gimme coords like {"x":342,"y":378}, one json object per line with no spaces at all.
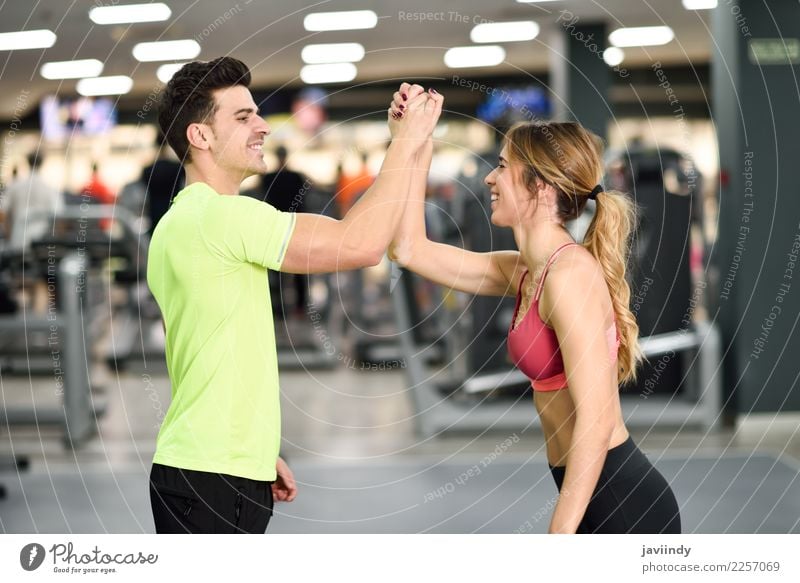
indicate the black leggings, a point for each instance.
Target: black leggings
{"x":631,"y":496}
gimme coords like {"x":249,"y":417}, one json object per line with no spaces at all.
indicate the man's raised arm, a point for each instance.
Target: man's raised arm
{"x":321,"y":244}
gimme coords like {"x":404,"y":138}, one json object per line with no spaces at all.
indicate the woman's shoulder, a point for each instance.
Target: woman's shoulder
{"x":575,"y":261}
{"x":573,"y":278}
{"x":575,"y":268}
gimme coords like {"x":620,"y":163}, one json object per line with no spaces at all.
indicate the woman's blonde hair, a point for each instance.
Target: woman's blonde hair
{"x":568,"y":157}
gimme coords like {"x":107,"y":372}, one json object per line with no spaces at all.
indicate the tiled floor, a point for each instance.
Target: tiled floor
{"x":350,"y":437}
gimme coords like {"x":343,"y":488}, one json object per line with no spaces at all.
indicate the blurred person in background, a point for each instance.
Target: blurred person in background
{"x":23,"y":200}
{"x":4,"y":231}
{"x":97,"y":189}
{"x":163,"y":180}
{"x":349,"y":187}
{"x":149,"y":196}
{"x":29,"y":206}
{"x":286,"y":190}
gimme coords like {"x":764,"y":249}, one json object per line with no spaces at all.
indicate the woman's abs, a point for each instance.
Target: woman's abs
{"x":557,"y":415}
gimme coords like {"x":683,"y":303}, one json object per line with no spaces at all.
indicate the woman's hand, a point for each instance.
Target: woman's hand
{"x":399,"y":103}
{"x":413,"y":113}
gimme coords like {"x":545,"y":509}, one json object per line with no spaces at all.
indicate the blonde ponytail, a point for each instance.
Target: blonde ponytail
{"x":608,"y":241}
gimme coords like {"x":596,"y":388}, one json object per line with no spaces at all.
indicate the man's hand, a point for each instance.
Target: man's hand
{"x":284,"y":489}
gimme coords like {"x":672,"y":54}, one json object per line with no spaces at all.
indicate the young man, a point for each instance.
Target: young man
{"x":216,"y":466}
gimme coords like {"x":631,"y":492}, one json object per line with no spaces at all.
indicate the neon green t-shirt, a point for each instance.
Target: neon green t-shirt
{"x":207,"y":268}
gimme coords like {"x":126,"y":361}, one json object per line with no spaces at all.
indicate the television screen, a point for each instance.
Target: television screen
{"x":65,"y":117}
{"x":507,"y":105}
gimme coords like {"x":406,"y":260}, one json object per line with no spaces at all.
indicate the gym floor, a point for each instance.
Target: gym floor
{"x":349,"y":437}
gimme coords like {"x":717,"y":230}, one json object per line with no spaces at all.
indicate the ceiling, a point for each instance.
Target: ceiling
{"x":269,"y":35}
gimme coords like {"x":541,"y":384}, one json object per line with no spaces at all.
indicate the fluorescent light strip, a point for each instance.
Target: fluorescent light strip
{"x":332,"y":53}
{"x":642,"y":36}
{"x":330,"y":73}
{"x":115,"y":85}
{"x":27,"y":39}
{"x":130,"y":13}
{"x":165,"y":72}
{"x":499,"y":32}
{"x":699,"y":4}
{"x":613,"y":56}
{"x":349,"y":20}
{"x":169,"y":50}
{"x":482,"y":56}
{"x":71,"y":69}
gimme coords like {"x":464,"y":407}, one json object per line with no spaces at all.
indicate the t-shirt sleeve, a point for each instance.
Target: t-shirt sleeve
{"x":250,"y":230}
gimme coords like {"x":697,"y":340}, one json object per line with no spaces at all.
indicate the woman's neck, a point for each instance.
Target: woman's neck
{"x":537,"y":240}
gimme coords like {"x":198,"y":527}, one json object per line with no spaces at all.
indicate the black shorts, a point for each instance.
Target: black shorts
{"x":631,"y":496}
{"x":188,"y":501}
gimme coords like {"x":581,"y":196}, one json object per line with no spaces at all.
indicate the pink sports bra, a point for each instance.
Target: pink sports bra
{"x":533,"y":345}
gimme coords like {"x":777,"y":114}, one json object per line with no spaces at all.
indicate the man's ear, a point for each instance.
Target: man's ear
{"x":198,"y":135}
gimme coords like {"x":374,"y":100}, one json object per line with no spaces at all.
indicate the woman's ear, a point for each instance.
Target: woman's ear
{"x":542,"y":188}
{"x":547,"y":193}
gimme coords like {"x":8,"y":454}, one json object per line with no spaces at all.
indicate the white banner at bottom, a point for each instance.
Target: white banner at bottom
{"x":399,"y":558}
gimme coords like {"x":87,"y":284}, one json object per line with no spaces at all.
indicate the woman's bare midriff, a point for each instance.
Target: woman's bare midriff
{"x":557,"y":415}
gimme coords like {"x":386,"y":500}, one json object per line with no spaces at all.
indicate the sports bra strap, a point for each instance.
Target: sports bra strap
{"x":519,"y":298}
{"x":547,"y":268}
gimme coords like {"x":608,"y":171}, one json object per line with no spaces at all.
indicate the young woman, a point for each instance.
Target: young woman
{"x":572,"y":333}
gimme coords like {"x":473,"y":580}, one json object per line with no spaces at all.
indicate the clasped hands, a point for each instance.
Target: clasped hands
{"x":414,"y":112}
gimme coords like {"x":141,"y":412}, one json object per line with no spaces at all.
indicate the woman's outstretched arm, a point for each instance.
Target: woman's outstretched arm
{"x":478,"y":273}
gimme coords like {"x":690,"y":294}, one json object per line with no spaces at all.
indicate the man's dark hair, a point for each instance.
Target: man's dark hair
{"x":188,"y":98}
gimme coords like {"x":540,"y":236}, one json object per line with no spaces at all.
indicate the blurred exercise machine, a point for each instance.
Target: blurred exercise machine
{"x":85,"y":243}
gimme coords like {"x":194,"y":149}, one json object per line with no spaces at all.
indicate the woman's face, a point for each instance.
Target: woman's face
{"x":511,"y":201}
